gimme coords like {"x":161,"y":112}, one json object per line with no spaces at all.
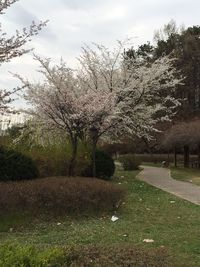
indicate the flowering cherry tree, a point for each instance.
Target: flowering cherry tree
{"x":13,"y":46}
{"x":107,"y":97}
{"x":56,"y":103}
{"x":142,"y":92}
{"x":139,"y":93}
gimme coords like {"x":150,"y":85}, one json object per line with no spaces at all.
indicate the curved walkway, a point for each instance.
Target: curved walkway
{"x":161,"y":178}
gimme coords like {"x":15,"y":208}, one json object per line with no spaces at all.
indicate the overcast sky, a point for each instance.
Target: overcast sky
{"x":75,"y":22}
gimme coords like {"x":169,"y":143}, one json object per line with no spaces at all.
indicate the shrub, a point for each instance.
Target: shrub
{"x":129,"y":162}
{"x":29,"y":256}
{"x":16,"y":166}
{"x":105,"y":166}
{"x":53,"y":158}
{"x":59,"y":196}
{"x":119,"y":256}
{"x":14,"y":255}
{"x":50,"y":164}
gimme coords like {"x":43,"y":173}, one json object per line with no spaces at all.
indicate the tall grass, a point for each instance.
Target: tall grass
{"x":50,"y":152}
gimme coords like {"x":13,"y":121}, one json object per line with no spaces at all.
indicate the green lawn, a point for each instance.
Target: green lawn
{"x":147,"y":213}
{"x":152,"y":164}
{"x":186,"y":174}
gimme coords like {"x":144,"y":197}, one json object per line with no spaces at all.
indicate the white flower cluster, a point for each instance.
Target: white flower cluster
{"x":109,"y":93}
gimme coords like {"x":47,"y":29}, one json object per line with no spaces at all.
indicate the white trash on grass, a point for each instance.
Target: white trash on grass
{"x":114,"y":218}
{"x":148,"y":240}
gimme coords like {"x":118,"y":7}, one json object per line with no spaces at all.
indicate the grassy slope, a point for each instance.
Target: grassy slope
{"x":186,"y":174}
{"x":146,"y":213}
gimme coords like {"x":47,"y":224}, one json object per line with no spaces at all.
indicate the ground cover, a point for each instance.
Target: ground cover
{"x":146,"y":214}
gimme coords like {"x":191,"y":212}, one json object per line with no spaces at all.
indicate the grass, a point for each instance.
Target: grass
{"x":152,"y":164}
{"x":147,"y":213}
{"x":186,"y":174}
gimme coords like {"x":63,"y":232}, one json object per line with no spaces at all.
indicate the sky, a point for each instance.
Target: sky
{"x":73,"y":23}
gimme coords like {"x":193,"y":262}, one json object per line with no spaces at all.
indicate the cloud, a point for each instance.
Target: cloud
{"x":21,"y":16}
{"x":73,"y":23}
{"x":85,"y":5}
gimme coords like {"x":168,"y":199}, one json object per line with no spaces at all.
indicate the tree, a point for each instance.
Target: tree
{"x":184,"y":135}
{"x":61,"y":102}
{"x":57,"y":103}
{"x":107,"y":97}
{"x":11,"y":47}
{"x":141,"y":90}
{"x":144,"y":52}
{"x":184,"y":44}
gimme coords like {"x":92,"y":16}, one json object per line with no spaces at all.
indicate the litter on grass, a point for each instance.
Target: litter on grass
{"x":114,"y":218}
{"x":148,"y":240}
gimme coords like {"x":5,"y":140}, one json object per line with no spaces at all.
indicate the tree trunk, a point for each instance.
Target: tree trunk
{"x":94,"y":145}
{"x":72,"y":162}
{"x":186,"y":156}
{"x":149,"y":149}
{"x":168,"y":158}
{"x":175,"y":157}
{"x":199,"y":155}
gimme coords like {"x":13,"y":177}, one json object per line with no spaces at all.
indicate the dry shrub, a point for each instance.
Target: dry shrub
{"x":59,"y":196}
{"x":119,"y":256}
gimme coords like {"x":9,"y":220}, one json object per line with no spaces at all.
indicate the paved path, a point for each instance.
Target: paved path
{"x":161,"y":178}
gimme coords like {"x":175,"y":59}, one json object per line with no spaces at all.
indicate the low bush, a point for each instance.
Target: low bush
{"x":119,"y":256}
{"x":87,"y":256}
{"x":105,"y":166}
{"x":129,"y":162}
{"x":59,"y":196}
{"x":28,"y":256}
{"x":16,"y":166}
{"x":50,"y":164}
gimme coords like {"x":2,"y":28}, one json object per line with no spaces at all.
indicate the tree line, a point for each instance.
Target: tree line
{"x":112,"y":93}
